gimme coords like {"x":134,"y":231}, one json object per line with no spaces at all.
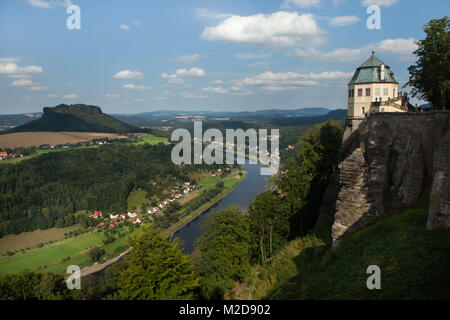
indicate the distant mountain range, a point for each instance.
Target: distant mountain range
{"x":76,"y":118}
{"x":85,"y":118}
{"x":241,"y":115}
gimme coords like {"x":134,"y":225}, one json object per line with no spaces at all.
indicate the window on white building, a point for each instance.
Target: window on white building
{"x":368,"y":92}
{"x":385,"y":92}
{"x":360,"y":91}
{"x":377,"y":92}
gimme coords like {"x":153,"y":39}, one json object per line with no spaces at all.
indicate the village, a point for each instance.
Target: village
{"x":4,"y":155}
{"x":112,"y":220}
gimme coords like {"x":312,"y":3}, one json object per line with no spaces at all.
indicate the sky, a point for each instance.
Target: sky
{"x":132,"y":56}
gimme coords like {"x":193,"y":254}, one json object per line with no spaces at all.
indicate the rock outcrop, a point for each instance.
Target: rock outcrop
{"x":393,"y":161}
{"x":72,"y":109}
{"x":439,"y":205}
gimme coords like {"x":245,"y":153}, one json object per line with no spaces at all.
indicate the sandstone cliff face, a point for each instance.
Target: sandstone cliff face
{"x":390,"y":163}
{"x":74,"y":109}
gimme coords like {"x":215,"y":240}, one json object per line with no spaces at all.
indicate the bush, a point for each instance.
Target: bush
{"x":96,"y":254}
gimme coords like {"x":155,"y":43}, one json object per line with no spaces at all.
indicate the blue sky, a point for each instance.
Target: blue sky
{"x":137,"y":56}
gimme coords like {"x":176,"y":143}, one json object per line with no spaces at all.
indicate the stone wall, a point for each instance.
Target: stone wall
{"x":390,"y":163}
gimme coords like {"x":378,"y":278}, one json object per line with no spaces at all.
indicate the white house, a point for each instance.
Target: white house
{"x":373,"y":88}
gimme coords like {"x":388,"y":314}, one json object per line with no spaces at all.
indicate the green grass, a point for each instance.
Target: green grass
{"x":277,"y":271}
{"x":229,"y":180}
{"x":50,"y":256}
{"x":136,"y":199}
{"x":415,"y":264}
{"x":44,"y":151}
{"x":206,"y":182}
{"x":151,"y":140}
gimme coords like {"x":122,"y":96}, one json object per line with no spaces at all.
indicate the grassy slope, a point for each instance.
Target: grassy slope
{"x":414,"y":264}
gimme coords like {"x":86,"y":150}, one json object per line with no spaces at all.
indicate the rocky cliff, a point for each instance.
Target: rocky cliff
{"x":393,"y":161}
{"x":72,"y":109}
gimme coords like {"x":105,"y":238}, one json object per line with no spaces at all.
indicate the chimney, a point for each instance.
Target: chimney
{"x":382,"y":73}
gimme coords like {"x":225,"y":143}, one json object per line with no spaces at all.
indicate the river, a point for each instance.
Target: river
{"x":253,"y":184}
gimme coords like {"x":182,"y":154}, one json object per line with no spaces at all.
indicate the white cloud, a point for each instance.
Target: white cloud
{"x":274,"y":30}
{"x":70,"y":96}
{"x":192,"y":96}
{"x":176,"y":78}
{"x":215,"y":90}
{"x":381,"y":3}
{"x":38,"y":88}
{"x":251,"y":56}
{"x":127,"y":27}
{"x":400,"y":47}
{"x":292,"y":81}
{"x":112,"y":95}
{"x":217,"y":82}
{"x":260,"y":64}
{"x":127,"y":74}
{"x":193,"y":72}
{"x":301,"y":3}
{"x":22,"y":83}
{"x":133,"y":86}
{"x":176,"y":81}
{"x":52,"y":95}
{"x":12,"y":68}
{"x":48,"y":4}
{"x":240,"y":91}
{"x":190,"y":58}
{"x":343,"y":21}
{"x":39,"y":4}
{"x":124,"y":27}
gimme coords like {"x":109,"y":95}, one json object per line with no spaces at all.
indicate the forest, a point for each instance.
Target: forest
{"x":48,"y":191}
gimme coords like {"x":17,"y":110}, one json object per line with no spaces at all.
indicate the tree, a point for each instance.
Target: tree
{"x":156,"y":269}
{"x":304,"y":179}
{"x":96,"y":254}
{"x":223,"y":252}
{"x":430,"y":76}
{"x":269,"y":224}
{"x":33,"y":286}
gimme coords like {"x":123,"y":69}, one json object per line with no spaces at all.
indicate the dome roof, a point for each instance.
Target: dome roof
{"x":370,"y":70}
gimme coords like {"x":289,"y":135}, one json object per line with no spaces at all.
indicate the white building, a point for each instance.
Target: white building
{"x":373,"y":88}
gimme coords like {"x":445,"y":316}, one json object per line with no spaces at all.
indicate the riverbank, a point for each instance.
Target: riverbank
{"x":97,"y":268}
{"x":194,"y":214}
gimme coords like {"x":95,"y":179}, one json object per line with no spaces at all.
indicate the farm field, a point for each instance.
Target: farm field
{"x":30,"y":139}
{"x":152,"y":140}
{"x":51,"y":255}
{"x":13,"y":242}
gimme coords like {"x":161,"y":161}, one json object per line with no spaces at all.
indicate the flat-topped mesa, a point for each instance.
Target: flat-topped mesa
{"x":72,"y":109}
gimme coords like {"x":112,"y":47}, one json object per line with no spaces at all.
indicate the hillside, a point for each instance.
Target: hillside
{"x":414,"y":265}
{"x":76,"y":118}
